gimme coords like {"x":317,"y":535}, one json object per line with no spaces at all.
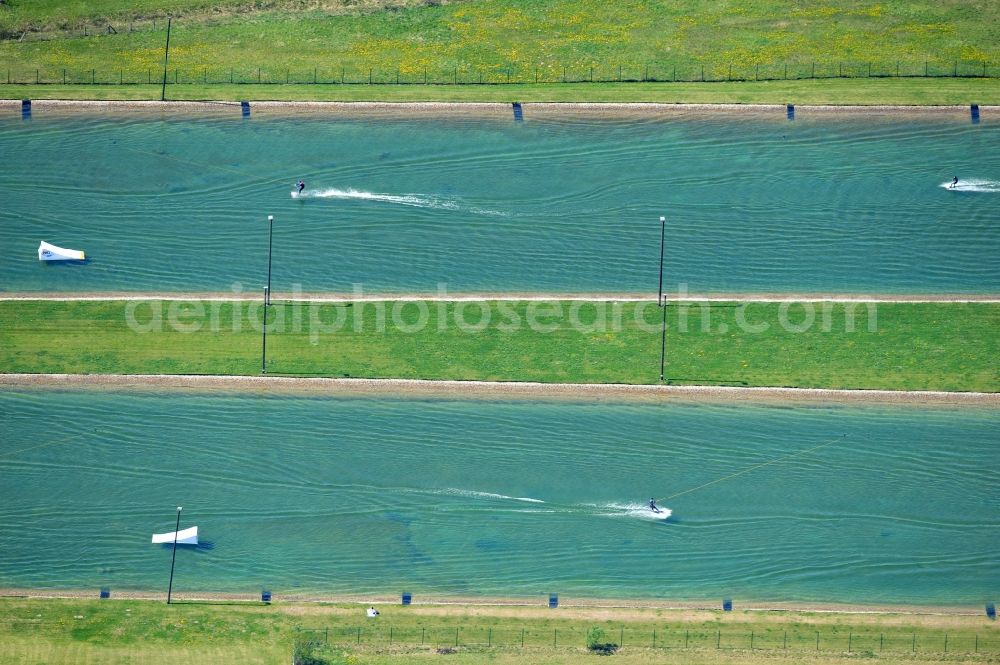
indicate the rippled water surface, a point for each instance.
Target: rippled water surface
{"x":335,"y":495}
{"x":176,"y":203}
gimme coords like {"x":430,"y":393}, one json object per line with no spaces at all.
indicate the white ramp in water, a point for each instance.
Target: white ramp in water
{"x":47,"y":252}
{"x":187,"y":536}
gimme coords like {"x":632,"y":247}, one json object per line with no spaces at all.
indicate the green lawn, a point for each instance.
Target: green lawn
{"x":521,"y":41}
{"x":57,"y":631}
{"x":901,"y":346}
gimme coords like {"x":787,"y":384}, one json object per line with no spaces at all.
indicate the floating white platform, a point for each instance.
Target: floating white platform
{"x":47,"y":252}
{"x":187,"y":536}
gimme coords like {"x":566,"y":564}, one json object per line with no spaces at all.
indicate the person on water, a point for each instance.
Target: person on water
{"x":954,"y":183}
{"x":652,"y":506}
{"x":301,"y":184}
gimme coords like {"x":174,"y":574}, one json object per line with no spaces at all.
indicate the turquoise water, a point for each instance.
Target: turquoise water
{"x":334,"y":495}
{"x":178,"y":203}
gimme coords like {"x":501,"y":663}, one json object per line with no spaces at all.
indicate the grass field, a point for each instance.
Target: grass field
{"x":57,"y":631}
{"x":522,"y":41}
{"x":898,"y":346}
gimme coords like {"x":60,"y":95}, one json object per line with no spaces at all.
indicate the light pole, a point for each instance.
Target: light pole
{"x":662,"y":301}
{"x":267,"y":296}
{"x":270,"y":234}
{"x":173,"y":559}
{"x":166,"y":61}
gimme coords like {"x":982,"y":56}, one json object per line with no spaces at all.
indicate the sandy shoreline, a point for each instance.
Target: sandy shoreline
{"x":565,"y":602}
{"x":495,"y":390}
{"x":336,"y":297}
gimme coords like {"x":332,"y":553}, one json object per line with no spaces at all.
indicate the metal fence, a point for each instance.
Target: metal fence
{"x":498,"y":75}
{"x":843,"y":640}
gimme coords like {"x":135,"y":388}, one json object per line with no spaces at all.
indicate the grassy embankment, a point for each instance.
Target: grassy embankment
{"x":516,"y":40}
{"x":914,"y":346}
{"x":56,"y":631}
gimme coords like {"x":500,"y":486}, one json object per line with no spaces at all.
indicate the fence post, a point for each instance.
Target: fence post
{"x":646,"y":75}
{"x":675,"y":74}
{"x":456,"y":637}
{"x":881,"y":642}
{"x":925,"y":69}
{"x":425,"y":76}
{"x":686,"y":633}
{"x":564,"y":73}
{"x":897,"y":69}
{"x":620,"y":73}
{"x":718,"y":638}
{"x":841,"y":70}
{"x":654,"y":638}
{"x":869,"y":70}
{"x":914,"y":643}
{"x":522,"y":638}
{"x":729,"y":76}
{"x":286,"y":76}
{"x":817,"y":640}
{"x":489,"y":638}
{"x":536,"y":74}
{"x":813,"y":71}
{"x":786,"y":71}
{"x":555,"y":633}
{"x":230,"y":74}
{"x":342,"y":74}
{"x":751,"y":640}
{"x":756,"y":72}
{"x":955,"y":72}
{"x":64,"y":76}
{"x":850,"y":640}
{"x":591,"y":73}
{"x":422,"y":635}
{"x":390,"y":635}
{"x":370,"y":76}
{"x":946,"y":642}
{"x":784,"y":642}
{"x":121,"y":76}
{"x":205,"y":74}
{"x":36,"y":76}
{"x":703,"y":73}
{"x":314,"y":75}
{"x":258,"y":75}
{"x":359,"y":634}
{"x":621,"y":637}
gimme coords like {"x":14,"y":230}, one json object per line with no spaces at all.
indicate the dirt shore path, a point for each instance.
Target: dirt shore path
{"x":496,"y":389}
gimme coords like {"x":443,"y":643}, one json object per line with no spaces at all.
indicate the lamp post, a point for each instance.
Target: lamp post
{"x":267,"y":296}
{"x":270,"y":233}
{"x":173,"y":559}
{"x":662,"y":301}
{"x":166,"y":61}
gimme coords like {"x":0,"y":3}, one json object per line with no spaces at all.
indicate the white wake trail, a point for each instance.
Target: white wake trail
{"x":992,"y":186}
{"x":414,"y":200}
